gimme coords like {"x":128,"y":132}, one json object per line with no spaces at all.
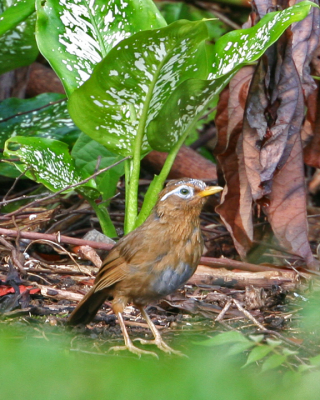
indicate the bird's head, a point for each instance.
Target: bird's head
{"x":184,"y":195}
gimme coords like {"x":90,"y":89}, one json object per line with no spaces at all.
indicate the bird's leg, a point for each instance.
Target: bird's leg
{"x":158,"y":341}
{"x":128,"y":345}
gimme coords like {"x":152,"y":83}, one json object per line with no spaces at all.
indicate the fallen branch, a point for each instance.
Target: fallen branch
{"x":208,"y":261}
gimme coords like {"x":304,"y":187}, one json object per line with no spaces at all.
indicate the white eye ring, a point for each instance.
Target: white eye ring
{"x":179,"y":192}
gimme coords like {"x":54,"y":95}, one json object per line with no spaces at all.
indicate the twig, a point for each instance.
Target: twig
{"x":233,"y":264}
{"x":82,"y":269}
{"x":209,"y":261}
{"x":223,"y":311}
{"x":14,"y":254}
{"x":67,"y":188}
{"x":33,"y":110}
{"x":248,"y":315}
{"x":220,"y":15}
{"x":12,"y":187}
{"x":56,"y":239}
{"x":24,"y":197}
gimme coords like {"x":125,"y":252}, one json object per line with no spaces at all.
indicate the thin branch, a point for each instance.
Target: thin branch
{"x":66,"y":188}
{"x":55,"y":238}
{"x":14,"y":255}
{"x":208,"y":261}
{"x":33,"y":110}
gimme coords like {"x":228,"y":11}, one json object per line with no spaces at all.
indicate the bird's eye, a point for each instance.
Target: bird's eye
{"x":184,"y":191}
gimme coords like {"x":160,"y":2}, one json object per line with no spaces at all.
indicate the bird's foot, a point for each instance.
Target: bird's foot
{"x":133,"y":349}
{"x":162,"y":345}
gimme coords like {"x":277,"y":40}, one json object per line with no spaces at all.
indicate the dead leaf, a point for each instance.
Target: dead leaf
{"x":269,"y":140}
{"x":287,"y":209}
{"x":236,"y":202}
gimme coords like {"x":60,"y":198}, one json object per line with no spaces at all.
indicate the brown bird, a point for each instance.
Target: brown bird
{"x":152,"y":261}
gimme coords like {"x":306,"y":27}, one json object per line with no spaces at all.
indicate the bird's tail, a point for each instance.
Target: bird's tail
{"x":88,"y":307}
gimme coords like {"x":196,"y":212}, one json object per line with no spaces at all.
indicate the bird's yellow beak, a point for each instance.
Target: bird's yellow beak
{"x":208,"y":191}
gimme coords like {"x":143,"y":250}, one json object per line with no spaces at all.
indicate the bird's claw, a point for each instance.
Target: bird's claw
{"x":133,"y":349}
{"x":161,"y":345}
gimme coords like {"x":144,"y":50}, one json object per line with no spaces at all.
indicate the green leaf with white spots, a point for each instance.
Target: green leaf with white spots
{"x":244,"y":46}
{"x":45,"y":116}
{"x":45,"y":161}
{"x":130,"y":86}
{"x":74,"y":35}
{"x":181,"y":111}
{"x":18,"y":46}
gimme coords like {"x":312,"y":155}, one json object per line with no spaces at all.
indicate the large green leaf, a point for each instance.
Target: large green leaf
{"x":182,"y":110}
{"x":45,"y":115}
{"x":12,"y":16}
{"x":87,"y":153}
{"x":129,"y":87}
{"x":228,"y":55}
{"x":247,"y":45}
{"x":45,"y":161}
{"x":18,"y":47}
{"x":75,"y":35}
{"x":48,"y":162}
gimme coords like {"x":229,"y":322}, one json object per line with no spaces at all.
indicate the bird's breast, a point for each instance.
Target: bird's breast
{"x":171,"y":278}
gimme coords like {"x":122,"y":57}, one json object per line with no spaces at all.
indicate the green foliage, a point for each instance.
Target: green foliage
{"x":136,"y":84}
{"x":13,"y":14}
{"x":17,"y":42}
{"x":121,"y":101}
{"x":44,"y":116}
{"x":179,"y":10}
{"x":48,"y":162}
{"x":156,"y":96}
{"x":75,"y":35}
{"x":48,"y":369}
{"x":86,"y":153}
{"x":271,"y":354}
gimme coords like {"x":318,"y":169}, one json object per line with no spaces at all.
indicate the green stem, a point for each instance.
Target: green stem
{"x":131,"y":207}
{"x":127,"y":164}
{"x":106,"y":224}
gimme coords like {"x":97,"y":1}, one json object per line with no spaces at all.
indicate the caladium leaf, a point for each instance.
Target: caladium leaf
{"x":130,"y":86}
{"x":243,"y":46}
{"x":74,"y":35}
{"x":45,"y":115}
{"x":229,"y":53}
{"x":48,"y":162}
{"x":45,"y":161}
{"x":182,"y":110}
{"x":18,"y":47}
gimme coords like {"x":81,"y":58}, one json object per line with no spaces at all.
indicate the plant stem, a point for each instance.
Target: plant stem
{"x":127,"y":188}
{"x":107,"y":226}
{"x":131,"y":208}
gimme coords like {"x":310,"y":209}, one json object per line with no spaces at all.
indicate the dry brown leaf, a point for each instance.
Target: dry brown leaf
{"x":263,"y":159}
{"x":312,"y":122}
{"x":287,"y":209}
{"x":236,"y":203}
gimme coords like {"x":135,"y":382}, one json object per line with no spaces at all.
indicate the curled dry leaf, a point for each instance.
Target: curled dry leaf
{"x":236,"y":202}
{"x":263,"y":157}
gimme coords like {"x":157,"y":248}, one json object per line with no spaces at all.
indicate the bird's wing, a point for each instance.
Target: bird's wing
{"x":113,"y":270}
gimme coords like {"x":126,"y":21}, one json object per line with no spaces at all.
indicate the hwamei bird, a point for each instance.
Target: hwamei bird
{"x":152,"y":261}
